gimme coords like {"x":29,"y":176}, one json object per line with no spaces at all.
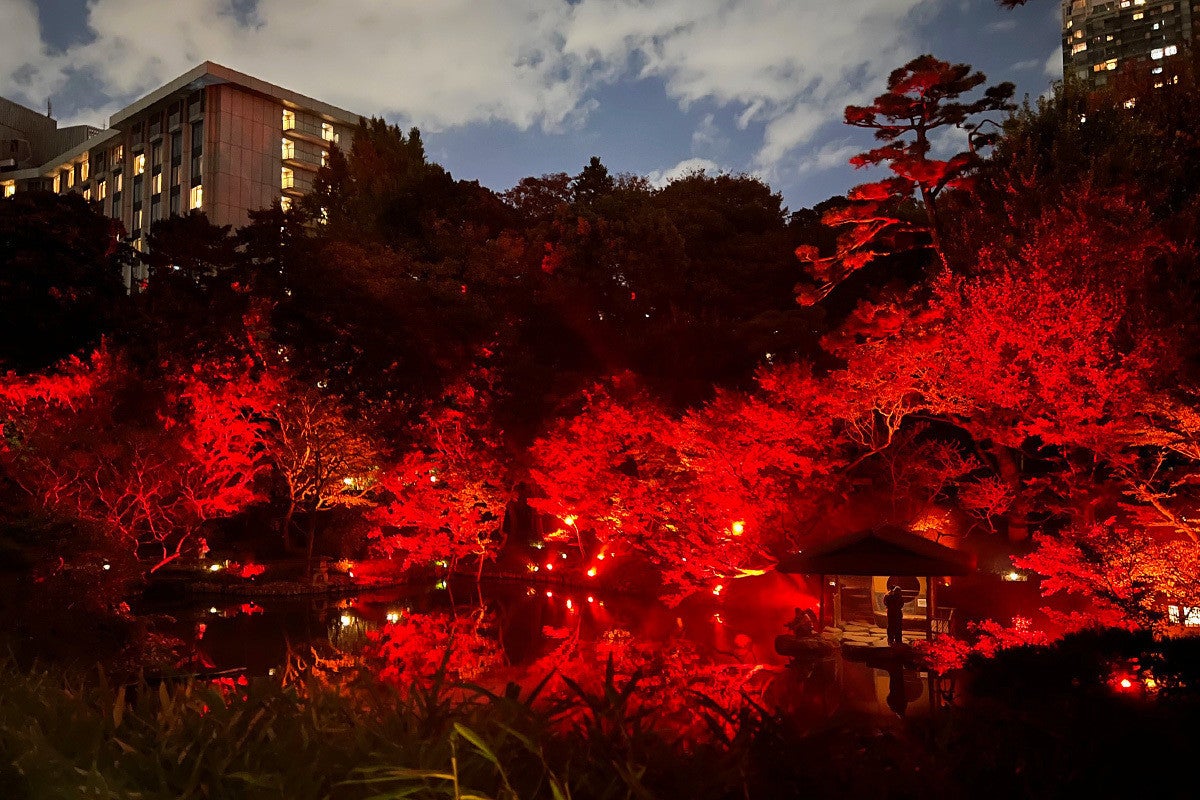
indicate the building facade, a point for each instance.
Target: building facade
{"x":1147,"y":39}
{"x":213,"y":139}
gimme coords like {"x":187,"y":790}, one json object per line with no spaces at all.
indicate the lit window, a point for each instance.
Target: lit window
{"x":1126,"y":3}
{"x":84,"y":170}
{"x":324,"y":158}
{"x":289,"y":148}
{"x":1078,"y":48}
{"x":10,"y":189}
{"x":1078,"y":34}
{"x":323,"y":218}
{"x":1131,"y":103}
{"x":1156,"y":71}
{"x":1109,"y":38}
{"x":137,"y":219}
{"x":1170,"y":50}
{"x":156,"y":184}
{"x":87,"y":193}
{"x":118,"y":155}
{"x":1156,"y":53}
{"x":57,"y":184}
{"x":1188,"y":616}
{"x":327,"y":131}
{"x":197,"y":197}
{"x":285,"y":203}
{"x":118,"y":182}
{"x":1138,"y":15}
{"x":101,"y":190}
{"x":70,"y":178}
{"x":289,"y":120}
{"x":139,"y":163}
{"x":1111,"y":64}
{"x":288,"y":178}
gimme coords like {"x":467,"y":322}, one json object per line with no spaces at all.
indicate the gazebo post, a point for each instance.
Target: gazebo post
{"x":930,"y":599}
{"x":821,"y":605}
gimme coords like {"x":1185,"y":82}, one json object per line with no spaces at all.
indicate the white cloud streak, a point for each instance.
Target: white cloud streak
{"x":782,"y":66}
{"x":661,"y":177}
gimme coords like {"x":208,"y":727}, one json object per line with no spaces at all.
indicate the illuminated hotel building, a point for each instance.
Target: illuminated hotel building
{"x":213,"y":139}
{"x":1149,"y":37}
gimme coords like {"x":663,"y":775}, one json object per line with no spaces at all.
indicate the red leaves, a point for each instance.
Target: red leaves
{"x":444,"y":498}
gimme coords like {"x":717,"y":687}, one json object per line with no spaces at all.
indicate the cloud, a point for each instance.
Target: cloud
{"x":1002,"y":25}
{"x":23,"y":57}
{"x":790,"y":67}
{"x":1054,"y":64}
{"x":659,"y":178}
{"x":440,"y":64}
{"x":708,"y":139}
{"x":782,"y":69}
{"x":1029,"y":63}
{"x":829,"y":156}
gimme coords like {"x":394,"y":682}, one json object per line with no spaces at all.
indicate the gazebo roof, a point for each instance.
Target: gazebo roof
{"x":884,"y":550}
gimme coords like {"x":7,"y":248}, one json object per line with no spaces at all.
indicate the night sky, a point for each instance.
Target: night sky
{"x":503,"y":89}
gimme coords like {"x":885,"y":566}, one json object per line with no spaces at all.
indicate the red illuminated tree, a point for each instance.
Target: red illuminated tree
{"x":151,"y":482}
{"x":922,"y":102}
{"x":445,"y":497}
{"x":320,"y":458}
{"x":1145,"y":578}
{"x":699,"y":498}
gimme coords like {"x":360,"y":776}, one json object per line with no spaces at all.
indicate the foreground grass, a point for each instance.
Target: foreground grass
{"x":1041,"y":723}
{"x":79,"y":738}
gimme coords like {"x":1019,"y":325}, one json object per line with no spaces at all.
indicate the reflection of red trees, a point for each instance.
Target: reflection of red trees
{"x":417,"y":648}
{"x":663,"y":686}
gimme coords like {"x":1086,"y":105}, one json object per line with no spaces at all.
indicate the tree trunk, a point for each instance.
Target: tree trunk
{"x":312,"y":537}
{"x":287,"y":526}
{"x":1010,"y":472}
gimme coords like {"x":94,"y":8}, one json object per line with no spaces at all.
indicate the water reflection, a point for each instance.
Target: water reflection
{"x":723,"y":644}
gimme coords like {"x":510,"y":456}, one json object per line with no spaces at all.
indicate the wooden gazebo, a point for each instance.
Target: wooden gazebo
{"x":883,"y":550}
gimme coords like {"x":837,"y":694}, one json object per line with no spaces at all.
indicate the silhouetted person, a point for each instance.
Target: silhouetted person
{"x":803,"y":623}
{"x":897,"y":698}
{"x":894,"y":600}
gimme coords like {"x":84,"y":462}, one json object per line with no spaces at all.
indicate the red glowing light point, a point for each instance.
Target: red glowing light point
{"x":717,"y":589}
{"x":1126,"y":683}
{"x":591,"y":599}
{"x":600,"y":557}
{"x":549,"y":565}
{"x":570,"y":605}
{"x":738,"y":528}
{"x":591,"y":573}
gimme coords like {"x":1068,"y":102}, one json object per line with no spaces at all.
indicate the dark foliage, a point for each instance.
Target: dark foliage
{"x":61,"y":289}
